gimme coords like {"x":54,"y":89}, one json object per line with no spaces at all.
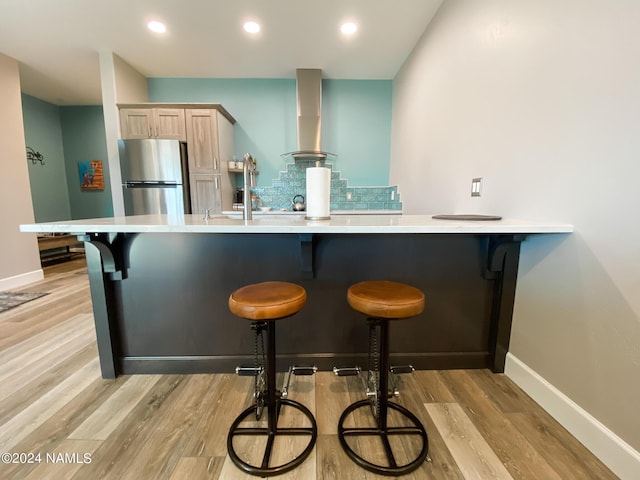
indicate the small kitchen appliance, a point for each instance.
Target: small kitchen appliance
{"x":298,"y":203}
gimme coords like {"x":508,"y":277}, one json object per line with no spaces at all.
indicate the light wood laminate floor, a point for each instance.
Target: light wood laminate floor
{"x":53,"y":401}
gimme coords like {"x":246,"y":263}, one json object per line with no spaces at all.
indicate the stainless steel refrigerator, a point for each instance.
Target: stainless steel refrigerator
{"x":154,"y":177}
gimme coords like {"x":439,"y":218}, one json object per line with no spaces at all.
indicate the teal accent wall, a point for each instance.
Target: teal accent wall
{"x":42,"y":131}
{"x":356,"y":124}
{"x":65,"y":136}
{"x":84,"y":139}
{"x":356,"y":121}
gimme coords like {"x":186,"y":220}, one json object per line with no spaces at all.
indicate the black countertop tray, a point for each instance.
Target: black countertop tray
{"x":471,"y":217}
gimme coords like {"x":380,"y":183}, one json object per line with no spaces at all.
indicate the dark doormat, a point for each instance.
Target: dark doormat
{"x":9,"y":300}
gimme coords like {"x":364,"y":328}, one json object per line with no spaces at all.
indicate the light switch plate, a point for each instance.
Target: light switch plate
{"x":476,"y":187}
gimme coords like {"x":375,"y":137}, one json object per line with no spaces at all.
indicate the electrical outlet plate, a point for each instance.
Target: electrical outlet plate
{"x":476,"y":187}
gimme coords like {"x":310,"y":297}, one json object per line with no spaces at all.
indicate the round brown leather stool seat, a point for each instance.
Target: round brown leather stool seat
{"x":382,"y":302}
{"x":385,"y":299}
{"x":267,"y":300}
{"x":262,"y":303}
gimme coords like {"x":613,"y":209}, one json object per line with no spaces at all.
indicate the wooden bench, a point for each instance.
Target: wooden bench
{"x":57,"y":248}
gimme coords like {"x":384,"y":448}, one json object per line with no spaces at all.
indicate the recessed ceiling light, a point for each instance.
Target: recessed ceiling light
{"x":348,"y":28}
{"x":251,"y":27}
{"x":156,"y":26}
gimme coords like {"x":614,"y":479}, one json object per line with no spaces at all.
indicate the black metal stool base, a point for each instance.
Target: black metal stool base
{"x":384,"y":431}
{"x":271,"y":431}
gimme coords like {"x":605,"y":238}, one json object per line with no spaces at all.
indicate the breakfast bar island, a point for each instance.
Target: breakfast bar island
{"x":160,"y":287}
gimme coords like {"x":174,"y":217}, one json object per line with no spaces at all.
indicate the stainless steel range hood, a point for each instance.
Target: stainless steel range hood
{"x":309,"y":99}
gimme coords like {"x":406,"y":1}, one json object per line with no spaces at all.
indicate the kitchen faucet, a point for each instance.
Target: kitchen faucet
{"x":248,"y":169}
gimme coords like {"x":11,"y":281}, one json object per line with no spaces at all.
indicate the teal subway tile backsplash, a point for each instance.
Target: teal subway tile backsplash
{"x":293,"y":182}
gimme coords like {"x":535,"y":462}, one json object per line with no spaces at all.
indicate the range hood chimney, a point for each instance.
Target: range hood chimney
{"x":309,"y":100}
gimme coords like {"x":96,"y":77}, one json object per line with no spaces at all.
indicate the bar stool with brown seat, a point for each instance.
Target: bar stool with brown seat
{"x":381,"y":302}
{"x":263,"y":304}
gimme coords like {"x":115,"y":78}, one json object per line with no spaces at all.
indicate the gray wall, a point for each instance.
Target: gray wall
{"x":19,"y":258}
{"x":542,"y":100}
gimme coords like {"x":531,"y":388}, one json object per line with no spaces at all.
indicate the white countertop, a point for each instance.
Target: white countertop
{"x":294,"y":224}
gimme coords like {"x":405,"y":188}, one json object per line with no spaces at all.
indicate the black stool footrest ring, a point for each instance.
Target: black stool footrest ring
{"x":265,"y":470}
{"x":392,"y":469}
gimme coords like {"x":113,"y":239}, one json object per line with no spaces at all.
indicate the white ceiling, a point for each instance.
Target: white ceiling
{"x":57,"y":41}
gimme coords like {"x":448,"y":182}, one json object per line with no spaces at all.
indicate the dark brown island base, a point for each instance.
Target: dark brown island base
{"x":160,"y":288}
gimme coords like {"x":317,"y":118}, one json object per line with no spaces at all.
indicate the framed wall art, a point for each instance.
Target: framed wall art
{"x":91,"y":175}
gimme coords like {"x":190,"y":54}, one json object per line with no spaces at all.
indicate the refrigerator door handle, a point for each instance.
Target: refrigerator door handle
{"x":151,"y":184}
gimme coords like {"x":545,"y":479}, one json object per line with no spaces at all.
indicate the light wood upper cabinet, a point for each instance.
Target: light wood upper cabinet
{"x":202,"y":141}
{"x":168,"y":123}
{"x":136,"y":123}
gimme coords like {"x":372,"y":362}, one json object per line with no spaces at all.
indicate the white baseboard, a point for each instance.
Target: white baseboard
{"x":614,"y":452}
{"x":20,"y":280}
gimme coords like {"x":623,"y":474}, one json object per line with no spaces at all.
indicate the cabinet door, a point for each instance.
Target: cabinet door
{"x":136,"y":123}
{"x":169,"y":124}
{"x":202,"y":140}
{"x":205,"y":193}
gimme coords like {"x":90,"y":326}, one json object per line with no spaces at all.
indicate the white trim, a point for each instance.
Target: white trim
{"x":22,"y":279}
{"x":614,"y":452}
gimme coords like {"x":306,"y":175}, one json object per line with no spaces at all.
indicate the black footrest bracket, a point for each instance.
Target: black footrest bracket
{"x":399,"y":369}
{"x":248,"y":370}
{"x":296,"y":370}
{"x":346,"y":371}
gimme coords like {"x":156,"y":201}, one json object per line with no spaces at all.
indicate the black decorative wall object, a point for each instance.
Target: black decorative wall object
{"x":34,"y":156}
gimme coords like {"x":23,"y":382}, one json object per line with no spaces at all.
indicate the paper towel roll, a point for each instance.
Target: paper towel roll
{"x":318,"y":193}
